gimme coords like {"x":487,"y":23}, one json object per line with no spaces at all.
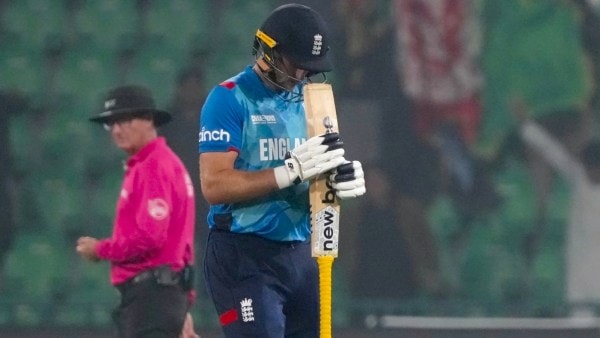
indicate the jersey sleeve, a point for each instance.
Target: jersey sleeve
{"x":221,"y":122}
{"x":153,"y":204}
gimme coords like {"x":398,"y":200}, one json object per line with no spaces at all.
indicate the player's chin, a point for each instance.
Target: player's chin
{"x":289,"y":84}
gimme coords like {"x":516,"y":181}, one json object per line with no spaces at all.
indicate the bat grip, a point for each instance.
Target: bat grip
{"x":325,"y":282}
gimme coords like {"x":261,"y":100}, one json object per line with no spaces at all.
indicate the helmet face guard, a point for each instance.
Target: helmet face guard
{"x":264,"y":49}
{"x":270,"y":61}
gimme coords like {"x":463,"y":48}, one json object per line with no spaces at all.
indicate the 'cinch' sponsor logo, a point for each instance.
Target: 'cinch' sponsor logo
{"x":213,"y":135}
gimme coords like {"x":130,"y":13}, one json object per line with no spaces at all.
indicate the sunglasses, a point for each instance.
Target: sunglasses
{"x":124,"y":119}
{"x":108,"y":125}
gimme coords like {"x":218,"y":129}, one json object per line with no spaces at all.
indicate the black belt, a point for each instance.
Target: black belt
{"x":162,"y":275}
{"x":142,"y":276}
{"x":265,"y":241}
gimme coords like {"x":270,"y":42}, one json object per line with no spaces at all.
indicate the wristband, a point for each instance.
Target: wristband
{"x":285,"y":177}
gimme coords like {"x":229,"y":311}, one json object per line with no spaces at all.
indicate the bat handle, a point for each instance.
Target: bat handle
{"x":325,"y":282}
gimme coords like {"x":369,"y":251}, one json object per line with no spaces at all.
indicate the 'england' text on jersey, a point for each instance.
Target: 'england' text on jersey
{"x":275,"y":148}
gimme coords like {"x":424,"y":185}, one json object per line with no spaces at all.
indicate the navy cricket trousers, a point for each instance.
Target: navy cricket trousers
{"x":262,"y":288}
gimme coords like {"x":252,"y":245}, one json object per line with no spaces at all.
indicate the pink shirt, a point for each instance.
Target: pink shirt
{"x":154,"y":222}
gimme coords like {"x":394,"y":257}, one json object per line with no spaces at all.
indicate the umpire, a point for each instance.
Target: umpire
{"x":151,"y":250}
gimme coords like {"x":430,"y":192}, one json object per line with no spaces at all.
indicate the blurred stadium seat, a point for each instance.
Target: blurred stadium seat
{"x":105,"y":22}
{"x":21,"y":66}
{"x":156,"y":64}
{"x":177,"y":20}
{"x":86,"y":72}
{"x":33,"y":21}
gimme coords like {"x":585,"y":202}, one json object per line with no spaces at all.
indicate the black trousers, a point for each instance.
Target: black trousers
{"x":150,"y":310}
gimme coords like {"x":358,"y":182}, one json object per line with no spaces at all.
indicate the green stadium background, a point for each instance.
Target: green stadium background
{"x":62,"y":56}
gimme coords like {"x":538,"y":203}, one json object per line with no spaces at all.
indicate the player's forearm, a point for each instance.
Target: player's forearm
{"x":232,"y":186}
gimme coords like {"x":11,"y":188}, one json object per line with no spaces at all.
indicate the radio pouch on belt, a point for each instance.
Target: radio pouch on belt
{"x":187,"y":277}
{"x":165,"y":276}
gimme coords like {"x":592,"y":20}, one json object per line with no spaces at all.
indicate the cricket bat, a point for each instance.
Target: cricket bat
{"x":321,"y":118}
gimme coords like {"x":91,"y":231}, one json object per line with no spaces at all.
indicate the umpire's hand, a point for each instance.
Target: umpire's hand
{"x":188,"y":328}
{"x":86,"y":247}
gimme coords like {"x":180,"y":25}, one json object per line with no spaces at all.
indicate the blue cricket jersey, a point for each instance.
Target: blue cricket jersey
{"x":243,"y":115}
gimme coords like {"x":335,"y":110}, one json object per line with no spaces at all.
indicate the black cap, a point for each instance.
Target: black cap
{"x":130,"y":101}
{"x":300,"y":34}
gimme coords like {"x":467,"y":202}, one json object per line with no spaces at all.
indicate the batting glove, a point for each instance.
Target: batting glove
{"x":348,"y":180}
{"x":316,"y":156}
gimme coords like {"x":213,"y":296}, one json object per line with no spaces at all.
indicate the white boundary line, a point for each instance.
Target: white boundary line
{"x":451,"y":323}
